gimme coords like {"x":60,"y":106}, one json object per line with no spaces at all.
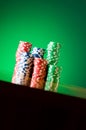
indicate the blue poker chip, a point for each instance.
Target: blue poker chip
{"x":38,"y":52}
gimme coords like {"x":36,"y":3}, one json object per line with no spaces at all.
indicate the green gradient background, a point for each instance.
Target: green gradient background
{"x":42,"y":21}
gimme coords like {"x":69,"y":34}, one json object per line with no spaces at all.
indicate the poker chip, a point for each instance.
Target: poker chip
{"x":39,"y":73}
{"x":38,"y":52}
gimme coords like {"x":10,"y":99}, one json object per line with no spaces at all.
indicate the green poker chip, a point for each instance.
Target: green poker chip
{"x":53,"y":45}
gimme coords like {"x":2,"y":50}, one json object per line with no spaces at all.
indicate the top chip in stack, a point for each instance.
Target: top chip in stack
{"x":38,"y":52}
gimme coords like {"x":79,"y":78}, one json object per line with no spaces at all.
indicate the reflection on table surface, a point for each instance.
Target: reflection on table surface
{"x":72,"y":90}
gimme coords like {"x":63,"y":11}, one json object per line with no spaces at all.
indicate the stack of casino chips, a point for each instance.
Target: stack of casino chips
{"x":39,"y":73}
{"x":24,"y":64}
{"x":53,"y":74}
{"x":39,"y":69}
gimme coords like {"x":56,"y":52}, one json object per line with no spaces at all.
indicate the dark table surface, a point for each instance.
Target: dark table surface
{"x":26,"y":108}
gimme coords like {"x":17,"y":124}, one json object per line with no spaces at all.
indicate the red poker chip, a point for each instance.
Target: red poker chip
{"x":24,"y":44}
